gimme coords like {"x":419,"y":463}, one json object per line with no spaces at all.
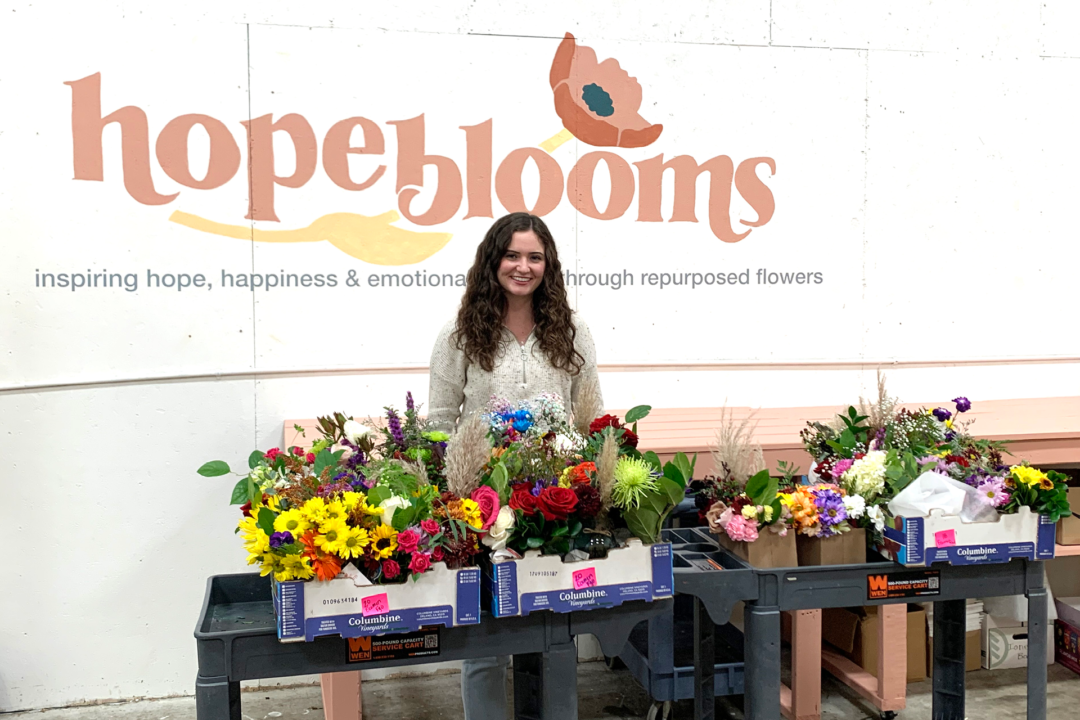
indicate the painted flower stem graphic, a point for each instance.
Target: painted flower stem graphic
{"x":598,"y":102}
{"x":372,"y":239}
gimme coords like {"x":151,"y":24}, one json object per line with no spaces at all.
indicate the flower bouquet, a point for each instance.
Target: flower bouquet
{"x":931,"y":489}
{"x":740,"y":502}
{"x":358,"y":524}
{"x":575,"y":507}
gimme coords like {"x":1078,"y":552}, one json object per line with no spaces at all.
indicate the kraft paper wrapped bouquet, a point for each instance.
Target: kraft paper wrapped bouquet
{"x":350,"y":508}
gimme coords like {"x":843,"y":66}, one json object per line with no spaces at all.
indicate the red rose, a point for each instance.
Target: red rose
{"x":296,"y":450}
{"x":431,"y":527}
{"x":420,"y":562}
{"x":607,"y":421}
{"x":629,"y":438}
{"x":246,"y":508}
{"x":272,"y":454}
{"x":488,"y":500}
{"x":437,"y":554}
{"x":522,"y":499}
{"x":390,"y":569}
{"x":556,"y":502}
{"x":310,"y":457}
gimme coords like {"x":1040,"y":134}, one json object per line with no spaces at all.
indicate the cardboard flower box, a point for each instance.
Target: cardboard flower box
{"x":921,"y":541}
{"x":770,"y":550}
{"x":844,"y":549}
{"x":306,"y":610}
{"x":545,"y":582}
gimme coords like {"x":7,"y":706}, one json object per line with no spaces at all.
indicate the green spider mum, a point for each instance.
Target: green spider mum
{"x":633,"y":481}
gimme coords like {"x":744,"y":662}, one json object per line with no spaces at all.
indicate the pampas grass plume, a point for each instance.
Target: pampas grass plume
{"x":466,"y":454}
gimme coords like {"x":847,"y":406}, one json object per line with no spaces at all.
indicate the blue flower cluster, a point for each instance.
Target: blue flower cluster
{"x":521,"y":420}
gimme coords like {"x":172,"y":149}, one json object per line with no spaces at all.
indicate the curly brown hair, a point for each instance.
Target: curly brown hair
{"x":483,"y":306}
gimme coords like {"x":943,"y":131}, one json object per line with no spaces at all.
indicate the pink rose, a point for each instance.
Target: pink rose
{"x":431,"y":527}
{"x":272,"y":454}
{"x":488,"y":500}
{"x":311,"y":457}
{"x":407,"y":540}
{"x":437,"y":554}
{"x":420,"y":561}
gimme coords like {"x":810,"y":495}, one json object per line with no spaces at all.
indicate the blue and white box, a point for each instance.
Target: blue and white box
{"x":545,"y":582}
{"x":306,"y":610}
{"x":922,"y":541}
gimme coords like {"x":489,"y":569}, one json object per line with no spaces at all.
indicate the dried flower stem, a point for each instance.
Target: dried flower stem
{"x":466,"y":454}
{"x":882,"y":410}
{"x":588,"y":406}
{"x":605,"y":470}
{"x":735,"y":450}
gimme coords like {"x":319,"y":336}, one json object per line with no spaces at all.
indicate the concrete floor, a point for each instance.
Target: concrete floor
{"x":604,"y":695}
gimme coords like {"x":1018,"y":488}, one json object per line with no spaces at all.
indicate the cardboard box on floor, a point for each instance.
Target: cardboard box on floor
{"x":1005,"y":643}
{"x":972,"y":639}
{"x":972,"y":652}
{"x":1067,"y":633}
{"x":855,"y":634}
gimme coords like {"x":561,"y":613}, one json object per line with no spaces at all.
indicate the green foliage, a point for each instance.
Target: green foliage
{"x":637,"y":413}
{"x":265,"y":520}
{"x":255,"y":458}
{"x":214,"y":468}
{"x":240,"y":493}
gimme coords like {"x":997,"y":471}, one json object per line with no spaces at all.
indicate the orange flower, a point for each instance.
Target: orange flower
{"x":326,"y":567}
{"x":598,"y":101}
{"x":803,"y":509}
{"x":580,"y":473}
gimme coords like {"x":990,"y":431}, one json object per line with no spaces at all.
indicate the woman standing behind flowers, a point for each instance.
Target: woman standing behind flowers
{"x":515,"y":337}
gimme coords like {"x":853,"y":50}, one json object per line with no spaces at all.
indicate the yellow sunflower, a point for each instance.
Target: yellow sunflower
{"x":383,"y":542}
{"x":349,"y":544}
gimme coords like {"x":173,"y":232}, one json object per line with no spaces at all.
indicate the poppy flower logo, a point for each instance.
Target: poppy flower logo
{"x":598,"y":102}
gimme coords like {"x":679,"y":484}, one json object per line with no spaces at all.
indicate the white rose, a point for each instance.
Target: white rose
{"x":390,"y":505}
{"x":499,"y":532}
{"x":355,"y":431}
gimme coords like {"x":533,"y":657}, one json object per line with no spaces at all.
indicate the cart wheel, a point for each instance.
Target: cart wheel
{"x":659,"y":711}
{"x":888,"y":714}
{"x":614,"y":663}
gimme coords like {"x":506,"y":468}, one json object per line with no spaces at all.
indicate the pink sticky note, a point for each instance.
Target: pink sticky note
{"x":375,"y":605}
{"x":584,"y":578}
{"x":945,"y":538}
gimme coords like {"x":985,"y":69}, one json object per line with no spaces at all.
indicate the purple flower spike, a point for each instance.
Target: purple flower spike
{"x":281,"y":538}
{"x":942,"y":414}
{"x":962,"y":404}
{"x":409,"y":401}
{"x":393,"y":424}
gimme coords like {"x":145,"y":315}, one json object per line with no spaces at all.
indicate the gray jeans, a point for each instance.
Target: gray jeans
{"x":483,"y":688}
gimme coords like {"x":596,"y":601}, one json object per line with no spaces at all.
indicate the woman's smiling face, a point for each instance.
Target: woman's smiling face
{"x":522,"y":268}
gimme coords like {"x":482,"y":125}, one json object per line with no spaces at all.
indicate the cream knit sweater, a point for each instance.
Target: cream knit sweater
{"x":459,"y":388}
